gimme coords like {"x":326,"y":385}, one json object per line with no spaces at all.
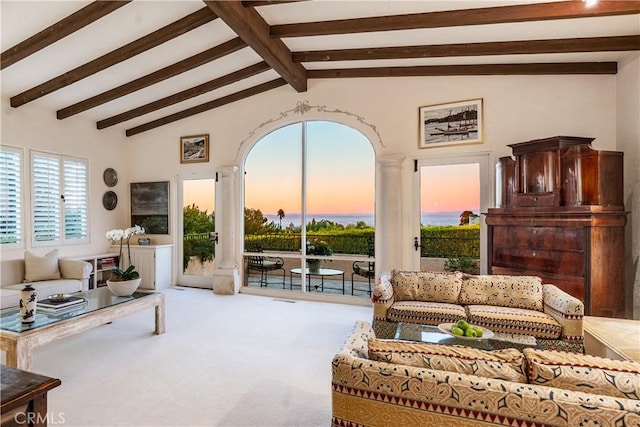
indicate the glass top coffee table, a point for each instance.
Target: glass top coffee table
{"x":431,"y":334}
{"x":18,"y":339}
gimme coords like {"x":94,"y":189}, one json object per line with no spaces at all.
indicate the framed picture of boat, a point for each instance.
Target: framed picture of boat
{"x":452,"y":123}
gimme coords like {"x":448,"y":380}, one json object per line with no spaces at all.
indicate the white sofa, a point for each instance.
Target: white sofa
{"x":73,"y":276}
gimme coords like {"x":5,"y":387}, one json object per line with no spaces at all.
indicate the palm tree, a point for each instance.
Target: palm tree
{"x":281,"y":215}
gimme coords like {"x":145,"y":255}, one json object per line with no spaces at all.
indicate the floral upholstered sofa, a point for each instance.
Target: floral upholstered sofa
{"x":378,"y":382}
{"x":508,"y":304}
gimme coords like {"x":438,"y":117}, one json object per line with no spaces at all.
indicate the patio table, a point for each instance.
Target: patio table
{"x":322,"y":272}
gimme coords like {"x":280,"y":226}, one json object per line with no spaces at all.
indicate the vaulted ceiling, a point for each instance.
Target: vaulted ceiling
{"x":142,"y":64}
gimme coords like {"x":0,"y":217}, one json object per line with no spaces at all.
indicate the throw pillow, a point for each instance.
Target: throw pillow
{"x":428,"y":286}
{"x":508,"y":364}
{"x":579,"y":372}
{"x":38,"y":268}
{"x":504,"y":291}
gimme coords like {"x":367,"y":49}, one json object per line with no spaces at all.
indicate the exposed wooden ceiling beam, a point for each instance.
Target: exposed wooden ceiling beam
{"x":185,"y":94}
{"x":249,"y":25}
{"x":456,"y":18}
{"x":136,"y":47}
{"x":521,"y":47}
{"x":207,"y":106}
{"x":256,"y":3}
{"x":470,"y":70}
{"x":59,"y":30}
{"x":155,"y":77}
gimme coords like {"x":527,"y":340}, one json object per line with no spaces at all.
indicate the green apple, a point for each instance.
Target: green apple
{"x":462,"y":324}
{"x":457,"y":331}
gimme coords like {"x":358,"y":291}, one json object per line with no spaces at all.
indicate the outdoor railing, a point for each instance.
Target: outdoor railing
{"x":433,"y":246}
{"x":196,"y":236}
{"x":352,"y":244}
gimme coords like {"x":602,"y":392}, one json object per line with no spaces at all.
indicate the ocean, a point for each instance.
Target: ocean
{"x":426,"y":218}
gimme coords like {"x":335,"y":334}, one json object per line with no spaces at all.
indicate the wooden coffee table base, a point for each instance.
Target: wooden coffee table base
{"x":19,"y":346}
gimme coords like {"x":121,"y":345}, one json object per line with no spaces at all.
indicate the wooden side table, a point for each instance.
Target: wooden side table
{"x":24,"y":397}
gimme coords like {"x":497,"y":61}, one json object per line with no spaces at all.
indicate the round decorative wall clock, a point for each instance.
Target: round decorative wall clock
{"x":110,"y":177}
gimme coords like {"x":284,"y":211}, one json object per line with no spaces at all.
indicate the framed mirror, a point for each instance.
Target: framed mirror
{"x":110,"y":177}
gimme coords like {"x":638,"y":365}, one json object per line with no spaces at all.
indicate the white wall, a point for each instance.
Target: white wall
{"x":32,"y":128}
{"x":517,"y":109}
{"x":628,"y":123}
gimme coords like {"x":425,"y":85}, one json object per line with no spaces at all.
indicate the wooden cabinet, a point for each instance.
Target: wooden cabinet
{"x":560,"y":216}
{"x":153,"y":262}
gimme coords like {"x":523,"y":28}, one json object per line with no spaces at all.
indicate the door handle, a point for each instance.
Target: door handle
{"x":416,"y":243}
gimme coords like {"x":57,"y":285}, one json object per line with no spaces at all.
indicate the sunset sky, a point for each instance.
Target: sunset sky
{"x":450,"y":188}
{"x":341,"y":175}
{"x":341,"y":171}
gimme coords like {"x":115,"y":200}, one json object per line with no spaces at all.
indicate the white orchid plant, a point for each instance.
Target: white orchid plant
{"x":119,"y":236}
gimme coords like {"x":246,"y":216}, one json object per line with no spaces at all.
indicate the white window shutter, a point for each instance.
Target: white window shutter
{"x":45,"y":196}
{"x":10,"y":195}
{"x":75,"y":199}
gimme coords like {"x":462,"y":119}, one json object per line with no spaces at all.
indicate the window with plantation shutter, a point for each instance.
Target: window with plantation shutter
{"x":75,"y":199}
{"x":10,"y":196}
{"x":59,"y":199}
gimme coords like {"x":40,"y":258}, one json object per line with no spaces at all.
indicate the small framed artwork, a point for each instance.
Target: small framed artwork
{"x":194,"y":148}
{"x":452,"y":123}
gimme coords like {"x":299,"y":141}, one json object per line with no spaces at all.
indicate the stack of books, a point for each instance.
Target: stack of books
{"x":107,"y":263}
{"x":61,"y":306}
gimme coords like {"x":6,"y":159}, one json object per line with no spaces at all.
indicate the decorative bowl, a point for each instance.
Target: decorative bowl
{"x":446,"y":328}
{"x":123,"y":288}
{"x":59,"y":297}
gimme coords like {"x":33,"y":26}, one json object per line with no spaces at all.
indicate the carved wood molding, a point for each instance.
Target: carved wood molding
{"x":301,"y":108}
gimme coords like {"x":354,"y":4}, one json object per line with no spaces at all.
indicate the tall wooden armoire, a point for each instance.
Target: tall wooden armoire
{"x":560,"y":215}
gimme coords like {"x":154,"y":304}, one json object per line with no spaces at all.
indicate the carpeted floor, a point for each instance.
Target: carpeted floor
{"x":238,"y":360}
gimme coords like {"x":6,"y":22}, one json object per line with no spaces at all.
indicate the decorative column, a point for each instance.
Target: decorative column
{"x":224,"y":281}
{"x":389,"y":214}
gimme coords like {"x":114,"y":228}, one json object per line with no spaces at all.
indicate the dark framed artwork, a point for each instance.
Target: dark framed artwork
{"x":194,"y":148}
{"x":453,"y":123}
{"x":150,"y":206}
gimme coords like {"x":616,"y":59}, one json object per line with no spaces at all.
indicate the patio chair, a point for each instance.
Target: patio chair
{"x":264,"y":264}
{"x":365,"y":269}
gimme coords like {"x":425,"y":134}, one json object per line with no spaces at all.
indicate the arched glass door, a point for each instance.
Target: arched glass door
{"x":309,"y":209}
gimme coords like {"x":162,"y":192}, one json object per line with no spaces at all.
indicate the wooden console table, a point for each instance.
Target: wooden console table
{"x":24,"y":397}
